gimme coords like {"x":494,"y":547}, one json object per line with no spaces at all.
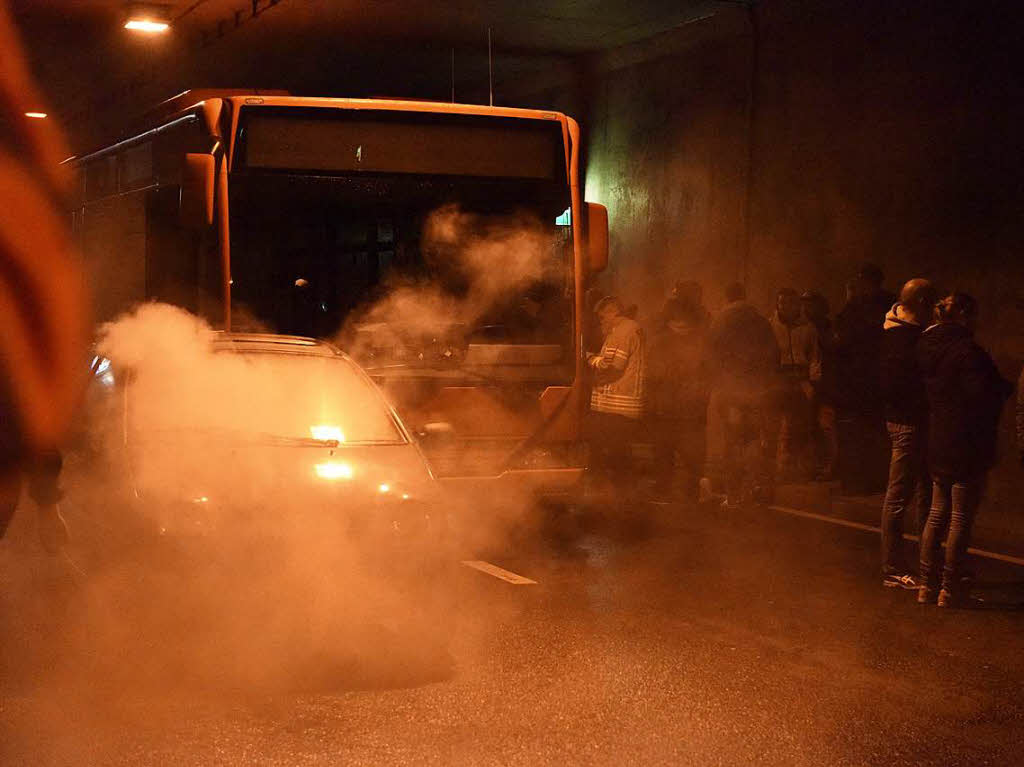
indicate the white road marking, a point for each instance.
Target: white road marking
{"x":497,"y":572}
{"x":907,"y":536}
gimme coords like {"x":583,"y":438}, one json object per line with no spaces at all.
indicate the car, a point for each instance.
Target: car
{"x":253,"y":436}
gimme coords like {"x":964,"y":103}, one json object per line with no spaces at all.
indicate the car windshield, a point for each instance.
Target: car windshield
{"x":277,"y":398}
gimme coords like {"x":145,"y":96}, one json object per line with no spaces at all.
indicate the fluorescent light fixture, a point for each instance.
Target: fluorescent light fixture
{"x":147,"y":18}
{"x":36,"y":115}
{"x":149,"y":26}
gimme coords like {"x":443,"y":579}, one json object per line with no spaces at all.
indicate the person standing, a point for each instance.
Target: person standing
{"x":965,"y":396}
{"x":860,"y":420}
{"x":618,"y":395}
{"x":742,"y":360}
{"x":906,"y":412}
{"x":826,"y":445}
{"x":800,"y":360}
{"x":678,"y":398}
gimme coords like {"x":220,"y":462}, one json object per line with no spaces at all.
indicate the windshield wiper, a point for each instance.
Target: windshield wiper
{"x":282,"y":439}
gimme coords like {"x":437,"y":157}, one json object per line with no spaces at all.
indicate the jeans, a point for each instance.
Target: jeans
{"x":954,"y":505}
{"x":678,"y":446}
{"x":906,"y":495}
{"x":742,"y":434}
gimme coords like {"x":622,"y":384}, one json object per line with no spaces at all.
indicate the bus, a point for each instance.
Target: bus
{"x":445,"y":246}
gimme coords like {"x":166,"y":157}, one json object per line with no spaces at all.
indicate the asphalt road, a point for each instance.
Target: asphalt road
{"x":748,"y":637}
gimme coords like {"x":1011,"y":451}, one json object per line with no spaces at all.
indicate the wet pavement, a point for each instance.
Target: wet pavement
{"x":705,"y":637}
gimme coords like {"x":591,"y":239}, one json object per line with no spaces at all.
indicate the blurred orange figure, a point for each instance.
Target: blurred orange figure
{"x":43,"y":304}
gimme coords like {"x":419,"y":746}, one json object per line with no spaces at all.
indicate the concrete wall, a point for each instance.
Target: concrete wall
{"x":881,"y":131}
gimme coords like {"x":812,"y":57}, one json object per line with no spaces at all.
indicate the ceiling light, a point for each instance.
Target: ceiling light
{"x":146,"y":25}
{"x":36,"y":115}
{"x":148,"y":19}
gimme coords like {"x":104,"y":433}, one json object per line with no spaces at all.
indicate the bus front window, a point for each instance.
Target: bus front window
{"x":407,"y":268}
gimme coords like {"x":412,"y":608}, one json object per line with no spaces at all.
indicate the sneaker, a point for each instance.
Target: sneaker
{"x":925,"y":595}
{"x":897,"y":581}
{"x":946,"y":599}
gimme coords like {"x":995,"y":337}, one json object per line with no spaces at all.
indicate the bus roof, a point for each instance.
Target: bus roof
{"x":188,"y":101}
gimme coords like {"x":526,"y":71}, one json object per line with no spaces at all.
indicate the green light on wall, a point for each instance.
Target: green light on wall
{"x":565,"y":219}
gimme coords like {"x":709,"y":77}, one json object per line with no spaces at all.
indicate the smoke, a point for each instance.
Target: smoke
{"x":473,"y":265}
{"x":214,"y":551}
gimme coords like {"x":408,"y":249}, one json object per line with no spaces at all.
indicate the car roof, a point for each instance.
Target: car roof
{"x":273,"y":343}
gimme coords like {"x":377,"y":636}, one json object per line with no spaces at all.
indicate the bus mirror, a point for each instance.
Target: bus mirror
{"x":197,"y":185}
{"x":597,"y":237}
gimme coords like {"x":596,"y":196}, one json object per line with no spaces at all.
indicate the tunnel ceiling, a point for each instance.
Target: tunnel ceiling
{"x":93,"y":71}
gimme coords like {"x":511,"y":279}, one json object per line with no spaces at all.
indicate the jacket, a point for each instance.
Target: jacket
{"x":858,"y":344}
{"x":676,"y":385}
{"x":620,"y":371}
{"x":900,"y":380}
{"x":965,"y":397}
{"x":741,"y":350}
{"x":799,"y":350}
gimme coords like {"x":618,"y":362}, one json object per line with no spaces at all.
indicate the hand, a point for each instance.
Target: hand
{"x":53,"y":530}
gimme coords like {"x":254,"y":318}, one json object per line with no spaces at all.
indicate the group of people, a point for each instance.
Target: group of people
{"x":732,"y":403}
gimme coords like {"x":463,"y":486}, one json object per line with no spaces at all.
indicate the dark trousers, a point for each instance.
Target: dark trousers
{"x":742,"y":434}
{"x":907,"y":495}
{"x":678,"y":447}
{"x":954,"y":507}
{"x":611,"y":439}
{"x":43,"y":477}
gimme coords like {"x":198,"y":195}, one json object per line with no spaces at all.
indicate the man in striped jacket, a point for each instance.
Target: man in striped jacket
{"x":617,"y":398}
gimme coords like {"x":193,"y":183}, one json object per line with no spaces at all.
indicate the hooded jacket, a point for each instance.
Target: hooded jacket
{"x":965,"y":396}
{"x":741,"y":351}
{"x":901,"y":383}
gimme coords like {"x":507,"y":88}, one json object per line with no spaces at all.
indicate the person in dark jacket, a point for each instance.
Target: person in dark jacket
{"x":965,"y":396}
{"x":742,"y":362}
{"x":677,"y":398}
{"x":906,"y":411}
{"x":826,"y":445}
{"x":860,"y":421}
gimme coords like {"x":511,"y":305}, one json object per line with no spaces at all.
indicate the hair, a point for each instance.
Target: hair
{"x":608,"y":301}
{"x":676,"y":310}
{"x":735,"y":291}
{"x":956,"y":307}
{"x":816,"y":302}
{"x":786,"y":293}
{"x":871,"y":274}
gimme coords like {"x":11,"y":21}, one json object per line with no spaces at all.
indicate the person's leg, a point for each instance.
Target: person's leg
{"x":767,"y":414}
{"x":902,"y":484}
{"x":931,"y":537}
{"x":690,"y":448}
{"x":829,"y":442}
{"x":665,"y":436}
{"x":10,"y":492}
{"x":44,"y":488}
{"x":965,"y":497}
{"x":714,"y":466}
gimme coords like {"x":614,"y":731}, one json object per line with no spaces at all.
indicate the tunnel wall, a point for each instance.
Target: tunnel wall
{"x":881,"y":131}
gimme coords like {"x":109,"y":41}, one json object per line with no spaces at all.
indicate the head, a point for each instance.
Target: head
{"x":787,"y":303}
{"x":957,"y":309}
{"x":871,"y":278}
{"x":735,"y":291}
{"x":608,"y":310}
{"x":679,"y":316}
{"x":918,"y":298}
{"x":815,"y":306}
{"x":688,"y":291}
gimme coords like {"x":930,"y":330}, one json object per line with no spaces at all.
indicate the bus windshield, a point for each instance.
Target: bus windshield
{"x":443,"y":250}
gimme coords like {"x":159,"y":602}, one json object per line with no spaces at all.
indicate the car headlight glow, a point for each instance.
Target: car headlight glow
{"x":327,"y":433}
{"x":334,"y":470}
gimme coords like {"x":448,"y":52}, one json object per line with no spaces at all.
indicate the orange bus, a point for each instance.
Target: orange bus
{"x":306,"y":216}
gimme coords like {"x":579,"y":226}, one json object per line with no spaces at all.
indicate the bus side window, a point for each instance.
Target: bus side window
{"x":172,"y":252}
